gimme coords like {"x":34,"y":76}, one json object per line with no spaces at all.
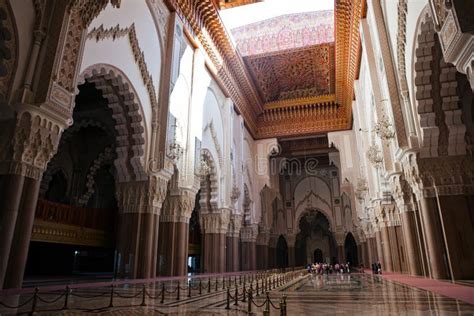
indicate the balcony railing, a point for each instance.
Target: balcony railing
{"x":94,"y":218}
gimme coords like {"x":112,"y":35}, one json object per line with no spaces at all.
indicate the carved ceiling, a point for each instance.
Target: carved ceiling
{"x":226,"y":4}
{"x":292,"y":74}
{"x":300,"y":91}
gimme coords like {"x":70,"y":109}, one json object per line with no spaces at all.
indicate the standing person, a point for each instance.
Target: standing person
{"x":379,"y":268}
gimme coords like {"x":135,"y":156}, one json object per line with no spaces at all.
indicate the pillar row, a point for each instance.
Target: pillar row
{"x":214,"y":226}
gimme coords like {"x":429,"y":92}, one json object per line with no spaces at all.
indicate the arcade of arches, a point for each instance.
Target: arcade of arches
{"x":153,"y":138}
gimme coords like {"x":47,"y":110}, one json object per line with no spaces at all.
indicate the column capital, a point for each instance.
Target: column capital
{"x":142,"y":196}
{"x":290,"y":240}
{"x":216,"y":222}
{"x":235,"y":223}
{"x":249,"y":233}
{"x":178,"y":208}
{"x":28,"y":141}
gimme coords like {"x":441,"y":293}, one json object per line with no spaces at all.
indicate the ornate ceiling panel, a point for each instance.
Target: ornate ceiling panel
{"x":293,"y":74}
{"x":305,"y":90}
{"x":285,"y":32}
{"x":226,"y":4}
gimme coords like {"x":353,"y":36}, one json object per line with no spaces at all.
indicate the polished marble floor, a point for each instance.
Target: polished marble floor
{"x":355,"y":294}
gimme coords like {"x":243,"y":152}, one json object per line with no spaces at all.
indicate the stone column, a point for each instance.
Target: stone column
{"x":248,"y":237}
{"x":174,"y":232}
{"x":232,"y":243}
{"x":30,"y":140}
{"x":140,"y":204}
{"x":214,"y":226}
{"x":290,"y":241}
{"x":363,"y":253}
{"x":341,"y":253}
{"x":394,"y":248}
{"x":378,"y":242}
{"x":411,"y":242}
{"x":23,"y":229}
{"x":387,"y":256}
{"x":434,"y":239}
{"x":262,"y":251}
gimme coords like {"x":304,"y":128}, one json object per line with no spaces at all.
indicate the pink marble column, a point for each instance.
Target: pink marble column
{"x":11,"y":187}
{"x":378,"y":241}
{"x":434,"y":239}
{"x":262,"y":257}
{"x":387,"y":255}
{"x":411,"y":242}
{"x":22,"y":236}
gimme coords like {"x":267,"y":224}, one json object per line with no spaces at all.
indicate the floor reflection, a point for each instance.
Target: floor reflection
{"x":371,"y":295}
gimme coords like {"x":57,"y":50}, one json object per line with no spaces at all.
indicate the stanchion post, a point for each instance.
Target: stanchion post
{"x":223,"y":282}
{"x":244,"y":296}
{"x":227,"y":304}
{"x":143,"y":295}
{"x":178,"y":292}
{"x":200,"y":286}
{"x":163,"y":289}
{"x":66,"y":297}
{"x":249,"y":303}
{"x":209,"y":286}
{"x":266,"y":309}
{"x":189,"y":289}
{"x":35,"y":301}
{"x":257,"y":289}
{"x":111,"y":302}
{"x":236,"y":298}
{"x":217,"y":282}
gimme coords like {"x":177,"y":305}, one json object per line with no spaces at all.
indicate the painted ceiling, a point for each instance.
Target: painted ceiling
{"x":294,"y":73}
{"x":285,"y":32}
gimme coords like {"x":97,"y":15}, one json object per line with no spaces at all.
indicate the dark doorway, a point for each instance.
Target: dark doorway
{"x":282,"y":253}
{"x":318,"y":255}
{"x":350,"y":248}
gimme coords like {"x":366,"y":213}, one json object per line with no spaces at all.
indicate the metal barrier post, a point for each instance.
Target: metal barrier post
{"x":35,"y":301}
{"x":209,"y":286}
{"x":111,"y":302}
{"x":189,"y":289}
{"x":257,"y":289}
{"x":249,"y":303}
{"x":66,"y":297}
{"x":223,"y":282}
{"x":163,"y":289}
{"x":200,"y":286}
{"x":217,"y":282}
{"x":266,"y":310}
{"x":236,"y":298}
{"x":177,"y":290}
{"x":227,"y":304}
{"x":244,"y":298}
{"x":143,"y":296}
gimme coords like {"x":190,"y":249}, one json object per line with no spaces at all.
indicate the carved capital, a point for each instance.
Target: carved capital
{"x":142,"y":196}
{"x":235,"y":224}
{"x":216,"y":222}
{"x":29,"y":145}
{"x":178,"y":208}
{"x":249,"y":233}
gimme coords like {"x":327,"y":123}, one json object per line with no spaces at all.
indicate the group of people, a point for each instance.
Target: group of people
{"x":326,"y":268}
{"x":376,"y":268}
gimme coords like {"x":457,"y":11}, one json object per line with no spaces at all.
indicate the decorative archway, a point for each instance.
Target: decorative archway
{"x":350,"y":250}
{"x":318,"y":255}
{"x":209,"y":183}
{"x":129,"y":119}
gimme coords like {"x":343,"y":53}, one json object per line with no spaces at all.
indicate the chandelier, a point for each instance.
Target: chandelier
{"x":204,"y":168}
{"x":361,"y":188}
{"x":383,"y":128}
{"x":374,"y":155}
{"x":175,"y":150}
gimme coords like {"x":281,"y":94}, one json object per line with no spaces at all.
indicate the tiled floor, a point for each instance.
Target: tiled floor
{"x":356,"y":294}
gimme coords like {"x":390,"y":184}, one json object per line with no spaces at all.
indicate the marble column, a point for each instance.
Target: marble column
{"x":248,"y":237}
{"x":387,"y":255}
{"x":139,"y":204}
{"x":232,"y":243}
{"x":22,"y":236}
{"x":174,"y":232}
{"x":411,"y":242}
{"x":262,"y":251}
{"x":434,"y":239}
{"x":394,"y":249}
{"x":11,"y":187}
{"x":214,"y":227}
{"x":341,"y":253}
{"x":379,"y":246}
